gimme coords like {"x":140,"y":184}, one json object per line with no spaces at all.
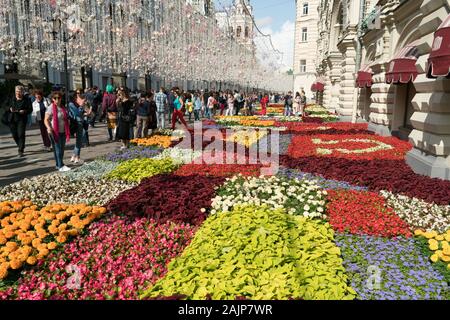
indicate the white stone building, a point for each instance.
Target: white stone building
{"x":205,"y":7}
{"x":376,"y":58}
{"x":306,"y":36}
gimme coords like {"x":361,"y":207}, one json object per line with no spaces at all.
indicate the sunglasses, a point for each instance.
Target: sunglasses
{"x":57,"y":98}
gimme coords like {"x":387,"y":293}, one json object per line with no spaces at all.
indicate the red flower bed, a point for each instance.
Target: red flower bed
{"x":312,"y":120}
{"x":341,"y":126}
{"x":391,"y":175}
{"x":223,"y":170}
{"x":358,"y":147}
{"x":364,"y":213}
{"x":169,"y":198}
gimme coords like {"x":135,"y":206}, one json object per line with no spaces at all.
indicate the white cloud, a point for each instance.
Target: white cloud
{"x":264,"y":21}
{"x":283,"y":41}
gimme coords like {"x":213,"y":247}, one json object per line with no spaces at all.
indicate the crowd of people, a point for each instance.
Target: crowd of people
{"x":128,"y":115}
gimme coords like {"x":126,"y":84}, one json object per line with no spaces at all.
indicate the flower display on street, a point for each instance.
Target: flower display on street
{"x":257,"y":253}
{"x":133,"y":153}
{"x":28,"y":233}
{"x":169,"y":198}
{"x":138,"y":169}
{"x":358,"y":147}
{"x":55,"y":188}
{"x":364,"y":213}
{"x":94,"y":266}
{"x":155,"y":141}
{"x":298,"y":197}
{"x":221,"y":170}
{"x":390,"y":269}
{"x":247,"y":138}
{"x":438,"y":244}
{"x":96,"y":169}
{"x":418,"y":213}
{"x":179,"y":156}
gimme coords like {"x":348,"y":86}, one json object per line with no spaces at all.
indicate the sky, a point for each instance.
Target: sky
{"x":276,"y":18}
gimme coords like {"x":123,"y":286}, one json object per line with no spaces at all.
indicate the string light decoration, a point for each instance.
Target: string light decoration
{"x":164,"y":38}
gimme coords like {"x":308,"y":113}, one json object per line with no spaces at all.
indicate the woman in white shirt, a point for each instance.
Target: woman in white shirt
{"x":40,"y":106}
{"x":230,"y":101}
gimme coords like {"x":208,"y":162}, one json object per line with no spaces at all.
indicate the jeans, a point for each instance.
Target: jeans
{"x":287,"y":111}
{"x":44,"y":134}
{"x":208,"y":113}
{"x":161,"y":118}
{"x":197,"y":115}
{"x":78,"y":140}
{"x":177,"y":114}
{"x":58,"y":149}
{"x":18,"y":132}
{"x":86,"y":133}
{"x":141,"y":127}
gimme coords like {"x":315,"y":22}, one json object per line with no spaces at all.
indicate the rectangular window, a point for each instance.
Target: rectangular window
{"x":305,"y":9}
{"x":304,"y":34}
{"x":302,"y":66}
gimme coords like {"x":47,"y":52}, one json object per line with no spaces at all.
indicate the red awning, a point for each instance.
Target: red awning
{"x":402,"y":69}
{"x":318,"y":85}
{"x":364,"y":78}
{"x":439,"y":60}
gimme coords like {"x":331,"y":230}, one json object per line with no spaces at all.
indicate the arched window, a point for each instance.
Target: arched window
{"x":238,"y":32}
{"x":305,"y":8}
{"x":247,"y":32}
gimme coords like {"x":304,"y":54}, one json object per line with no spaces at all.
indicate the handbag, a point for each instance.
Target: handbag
{"x":7,"y":118}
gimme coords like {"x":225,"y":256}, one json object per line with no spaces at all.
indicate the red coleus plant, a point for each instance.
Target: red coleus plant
{"x":364,"y":213}
{"x":219,"y":170}
{"x":358,"y":147}
{"x":391,"y":175}
{"x":169,"y":198}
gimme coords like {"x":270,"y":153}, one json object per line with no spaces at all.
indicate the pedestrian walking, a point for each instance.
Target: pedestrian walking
{"x":142,"y":117}
{"x":124,"y":108}
{"x":170,"y":103}
{"x":20,"y":109}
{"x":153,"y":113}
{"x":288,"y":103}
{"x":109,"y":106}
{"x":40,"y":106}
{"x":197,"y":106}
{"x":264,"y":102}
{"x":178,"y":113}
{"x":230,"y":110}
{"x":57,"y":123}
{"x":162,"y":102}
{"x":297,"y":103}
{"x":76,"y":112}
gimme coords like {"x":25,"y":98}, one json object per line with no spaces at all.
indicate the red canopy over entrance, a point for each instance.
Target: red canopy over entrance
{"x":402,"y":69}
{"x":439,"y":60}
{"x":364,"y":78}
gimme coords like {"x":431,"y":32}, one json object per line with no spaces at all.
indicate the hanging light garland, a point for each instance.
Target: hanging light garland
{"x":165,"y":38}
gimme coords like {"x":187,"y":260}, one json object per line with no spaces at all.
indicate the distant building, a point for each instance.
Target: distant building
{"x":237,"y":21}
{"x":306,"y":36}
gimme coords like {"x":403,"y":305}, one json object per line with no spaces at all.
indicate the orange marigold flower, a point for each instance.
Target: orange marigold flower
{"x":32,"y":260}
{"x":15,"y":264}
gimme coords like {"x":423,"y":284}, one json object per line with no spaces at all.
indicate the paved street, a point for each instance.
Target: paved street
{"x":37,"y":161}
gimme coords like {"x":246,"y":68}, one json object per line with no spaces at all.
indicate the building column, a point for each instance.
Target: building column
{"x":334,"y":61}
{"x":382,"y":102}
{"x":431,"y":123}
{"x":348,"y":71}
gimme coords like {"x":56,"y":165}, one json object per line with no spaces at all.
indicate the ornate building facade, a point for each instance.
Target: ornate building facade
{"x":306,"y":37}
{"x":205,"y":7}
{"x":377,"y":58}
{"x":237,"y":20}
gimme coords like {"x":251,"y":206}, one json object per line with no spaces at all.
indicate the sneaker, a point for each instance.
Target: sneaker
{"x":78,"y":161}
{"x":64,"y":169}
{"x":73,"y":159}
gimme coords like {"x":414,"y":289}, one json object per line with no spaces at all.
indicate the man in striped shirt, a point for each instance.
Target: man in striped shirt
{"x":161,"y":104}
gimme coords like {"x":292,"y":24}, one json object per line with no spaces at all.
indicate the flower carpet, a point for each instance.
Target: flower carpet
{"x":342,"y":218}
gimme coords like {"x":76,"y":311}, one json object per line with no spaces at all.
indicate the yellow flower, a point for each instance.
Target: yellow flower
{"x":445,"y":258}
{"x":447,"y":236}
{"x":418,"y":232}
{"x":434,"y":245}
{"x":439,"y":238}
{"x":434,"y":258}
